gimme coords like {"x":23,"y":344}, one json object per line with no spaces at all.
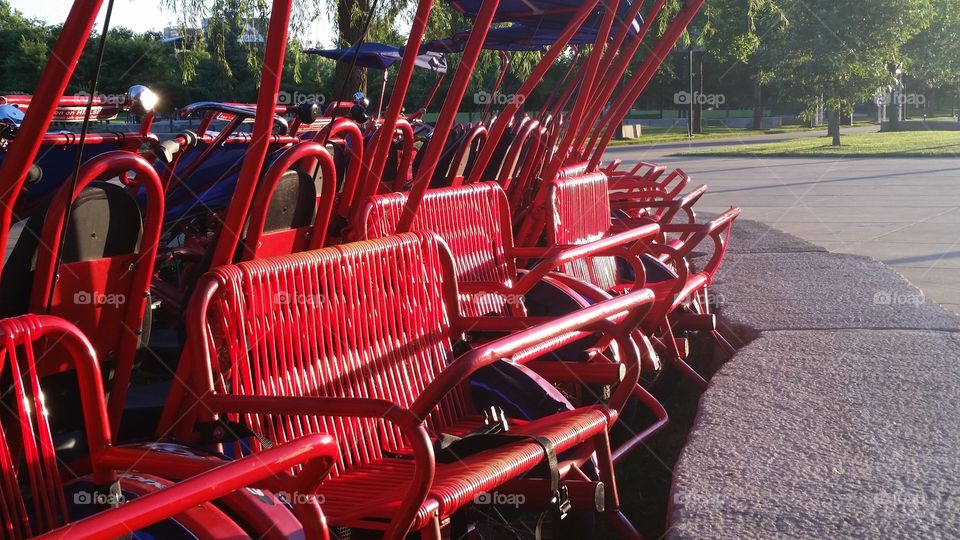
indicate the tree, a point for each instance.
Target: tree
{"x":350,"y":19}
{"x":25,"y":44}
{"x":931,"y":60}
{"x":840,"y":50}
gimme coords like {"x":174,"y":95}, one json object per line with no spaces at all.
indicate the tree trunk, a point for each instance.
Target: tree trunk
{"x":834,"y":124}
{"x":347,"y":82}
{"x":757,"y":103}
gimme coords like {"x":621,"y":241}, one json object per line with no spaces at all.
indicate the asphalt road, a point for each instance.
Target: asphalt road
{"x":903,"y":212}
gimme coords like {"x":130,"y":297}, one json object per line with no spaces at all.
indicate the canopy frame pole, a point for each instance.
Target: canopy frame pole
{"x":611,"y":121}
{"x":458,"y":87}
{"x":380,"y":147}
{"x":619,"y":67}
{"x":383,"y":92}
{"x":274,"y":52}
{"x":498,"y":128}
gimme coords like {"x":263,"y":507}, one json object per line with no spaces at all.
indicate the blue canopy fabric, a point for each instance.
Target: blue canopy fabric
{"x":381,"y":56}
{"x":433,"y":61}
{"x":512,"y":10}
{"x":536,"y":25}
{"x":369,"y":55}
{"x":545,"y":13}
{"x":516,"y":37}
{"x":524,"y":37}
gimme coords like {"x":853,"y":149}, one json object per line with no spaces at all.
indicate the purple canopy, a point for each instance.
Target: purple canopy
{"x":543,"y":13}
{"x":381,"y":56}
{"x":512,"y":10}
{"x":369,"y":55}
{"x":516,"y":37}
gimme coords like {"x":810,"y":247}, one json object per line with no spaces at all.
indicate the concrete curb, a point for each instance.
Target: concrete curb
{"x":839,"y":418}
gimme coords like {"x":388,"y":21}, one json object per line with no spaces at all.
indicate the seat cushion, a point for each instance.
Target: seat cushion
{"x":366,"y":496}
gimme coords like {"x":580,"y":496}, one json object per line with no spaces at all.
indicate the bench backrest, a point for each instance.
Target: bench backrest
{"x":362,"y":320}
{"x":28,"y":462}
{"x":474,"y":221}
{"x":577,"y":211}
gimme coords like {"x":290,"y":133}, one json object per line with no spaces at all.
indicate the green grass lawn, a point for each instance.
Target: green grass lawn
{"x":657,"y":135}
{"x":900,"y":144}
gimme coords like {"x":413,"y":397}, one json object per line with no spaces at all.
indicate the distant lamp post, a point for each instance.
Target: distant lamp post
{"x":693,"y":96}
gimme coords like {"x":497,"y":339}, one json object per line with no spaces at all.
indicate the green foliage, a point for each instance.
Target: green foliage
{"x":25,"y":43}
{"x":930,"y":56}
{"x":802,"y":50}
{"x":838,"y":49}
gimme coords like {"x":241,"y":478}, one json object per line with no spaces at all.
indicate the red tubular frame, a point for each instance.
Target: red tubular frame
{"x":407,"y":152}
{"x":80,"y":353}
{"x":474,"y":138}
{"x":324,"y":204}
{"x":53,"y":81}
{"x":516,"y":160}
{"x":106,"y":166}
{"x":207,"y":486}
{"x":579,"y":112}
{"x":215,"y":143}
{"x":617,"y":70}
{"x":361,"y":192}
{"x":525,"y":154}
{"x":448,"y":114}
{"x":381,"y":142}
{"x":608,"y":124}
{"x":273,"y":57}
{"x":499,"y":127}
{"x":314,"y":453}
{"x":349,"y":132}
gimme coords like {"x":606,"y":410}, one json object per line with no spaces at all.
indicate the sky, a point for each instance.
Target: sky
{"x":138,"y":15}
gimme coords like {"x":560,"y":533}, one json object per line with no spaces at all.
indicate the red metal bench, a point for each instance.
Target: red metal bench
{"x":39,"y":494}
{"x":474,"y":221}
{"x":356,"y":340}
{"x":575,"y":210}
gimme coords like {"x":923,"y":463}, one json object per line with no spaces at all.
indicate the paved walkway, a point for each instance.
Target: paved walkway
{"x":840,"y":417}
{"x":903,"y":212}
